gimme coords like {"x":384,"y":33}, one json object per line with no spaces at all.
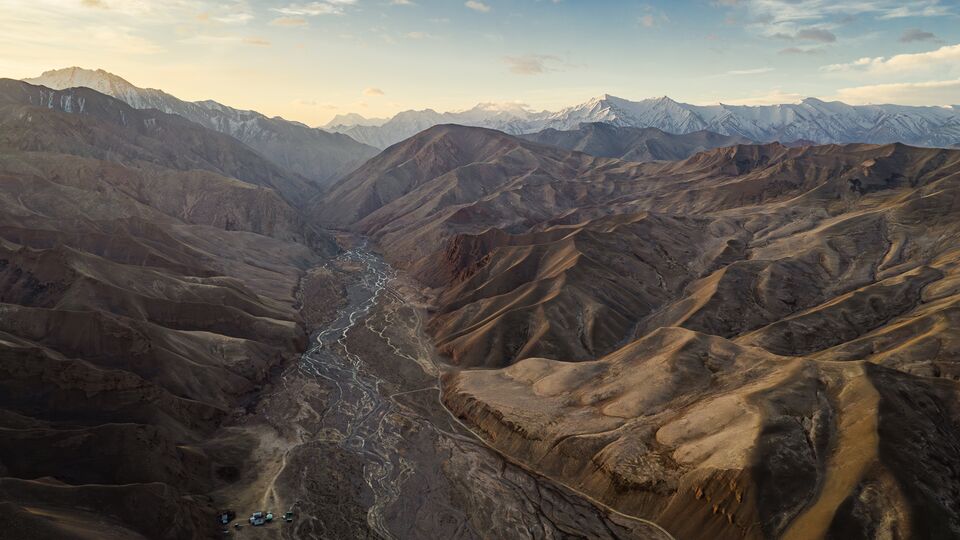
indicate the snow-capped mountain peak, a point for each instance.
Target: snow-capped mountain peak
{"x":101,"y":81}
{"x":353,"y":119}
{"x":811,"y":119}
{"x":76,"y":76}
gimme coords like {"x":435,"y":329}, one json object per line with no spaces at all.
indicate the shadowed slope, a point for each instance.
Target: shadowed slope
{"x":317,"y":155}
{"x":750,"y":342}
{"x":32,"y":119}
{"x":144,"y":295}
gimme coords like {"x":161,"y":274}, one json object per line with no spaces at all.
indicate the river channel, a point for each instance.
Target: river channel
{"x":377,"y":455}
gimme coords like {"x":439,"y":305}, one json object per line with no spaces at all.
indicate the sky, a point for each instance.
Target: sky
{"x":310,"y":60}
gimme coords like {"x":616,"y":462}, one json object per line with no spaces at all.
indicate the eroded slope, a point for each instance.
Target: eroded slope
{"x":144,"y":296}
{"x":757,"y":341}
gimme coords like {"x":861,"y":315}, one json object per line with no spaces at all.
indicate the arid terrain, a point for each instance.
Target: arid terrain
{"x":148,"y":289}
{"x":178,"y":339}
{"x":472,"y":335}
{"x":757,"y":341}
{"x":355,"y":440}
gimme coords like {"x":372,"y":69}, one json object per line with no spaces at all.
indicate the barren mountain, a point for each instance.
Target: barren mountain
{"x":508,"y":118}
{"x":32,"y":121}
{"x":148,"y":271}
{"x":633,"y":144}
{"x":344,"y":121}
{"x":755,"y":342}
{"x":425,"y":160}
{"x":315,"y":154}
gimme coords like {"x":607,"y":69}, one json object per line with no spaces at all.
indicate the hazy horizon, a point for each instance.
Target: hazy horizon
{"x":310,"y":61}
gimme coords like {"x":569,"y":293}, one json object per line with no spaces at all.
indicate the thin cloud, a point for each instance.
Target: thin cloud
{"x":915,"y":34}
{"x":289,"y":21}
{"x":773,"y":97}
{"x":204,"y":39}
{"x":234,"y":18}
{"x":772,"y":18}
{"x":917,"y":9}
{"x":816,"y":34}
{"x":207,"y":39}
{"x":652,"y":17}
{"x":944,"y":58}
{"x":755,"y":71}
{"x":373,"y":92}
{"x":531,"y":64}
{"x":799,"y":51}
{"x":314,"y":103}
{"x":313,"y":9}
{"x":476,"y":5}
{"x":918,"y":93}
{"x":808,"y":34}
{"x":224,"y":40}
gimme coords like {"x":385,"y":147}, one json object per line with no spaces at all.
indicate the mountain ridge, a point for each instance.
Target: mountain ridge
{"x":134,"y":135}
{"x":740,"y":344}
{"x":315,"y":154}
{"x":812,"y":119}
{"x":150,"y":271}
{"x":632,"y":144}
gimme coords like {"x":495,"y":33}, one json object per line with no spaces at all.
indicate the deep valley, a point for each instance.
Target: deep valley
{"x":606,"y":331}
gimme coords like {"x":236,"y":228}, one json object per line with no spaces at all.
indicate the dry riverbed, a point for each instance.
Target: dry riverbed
{"x":355,"y":441}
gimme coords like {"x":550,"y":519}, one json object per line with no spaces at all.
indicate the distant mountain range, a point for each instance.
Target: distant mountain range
{"x":354,"y":119}
{"x":811,"y":120}
{"x":313,"y":153}
{"x":347,"y":141}
{"x":508,"y":118}
{"x":633,"y":144}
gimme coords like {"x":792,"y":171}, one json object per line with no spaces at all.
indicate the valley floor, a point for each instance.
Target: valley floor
{"x":356,"y":442}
